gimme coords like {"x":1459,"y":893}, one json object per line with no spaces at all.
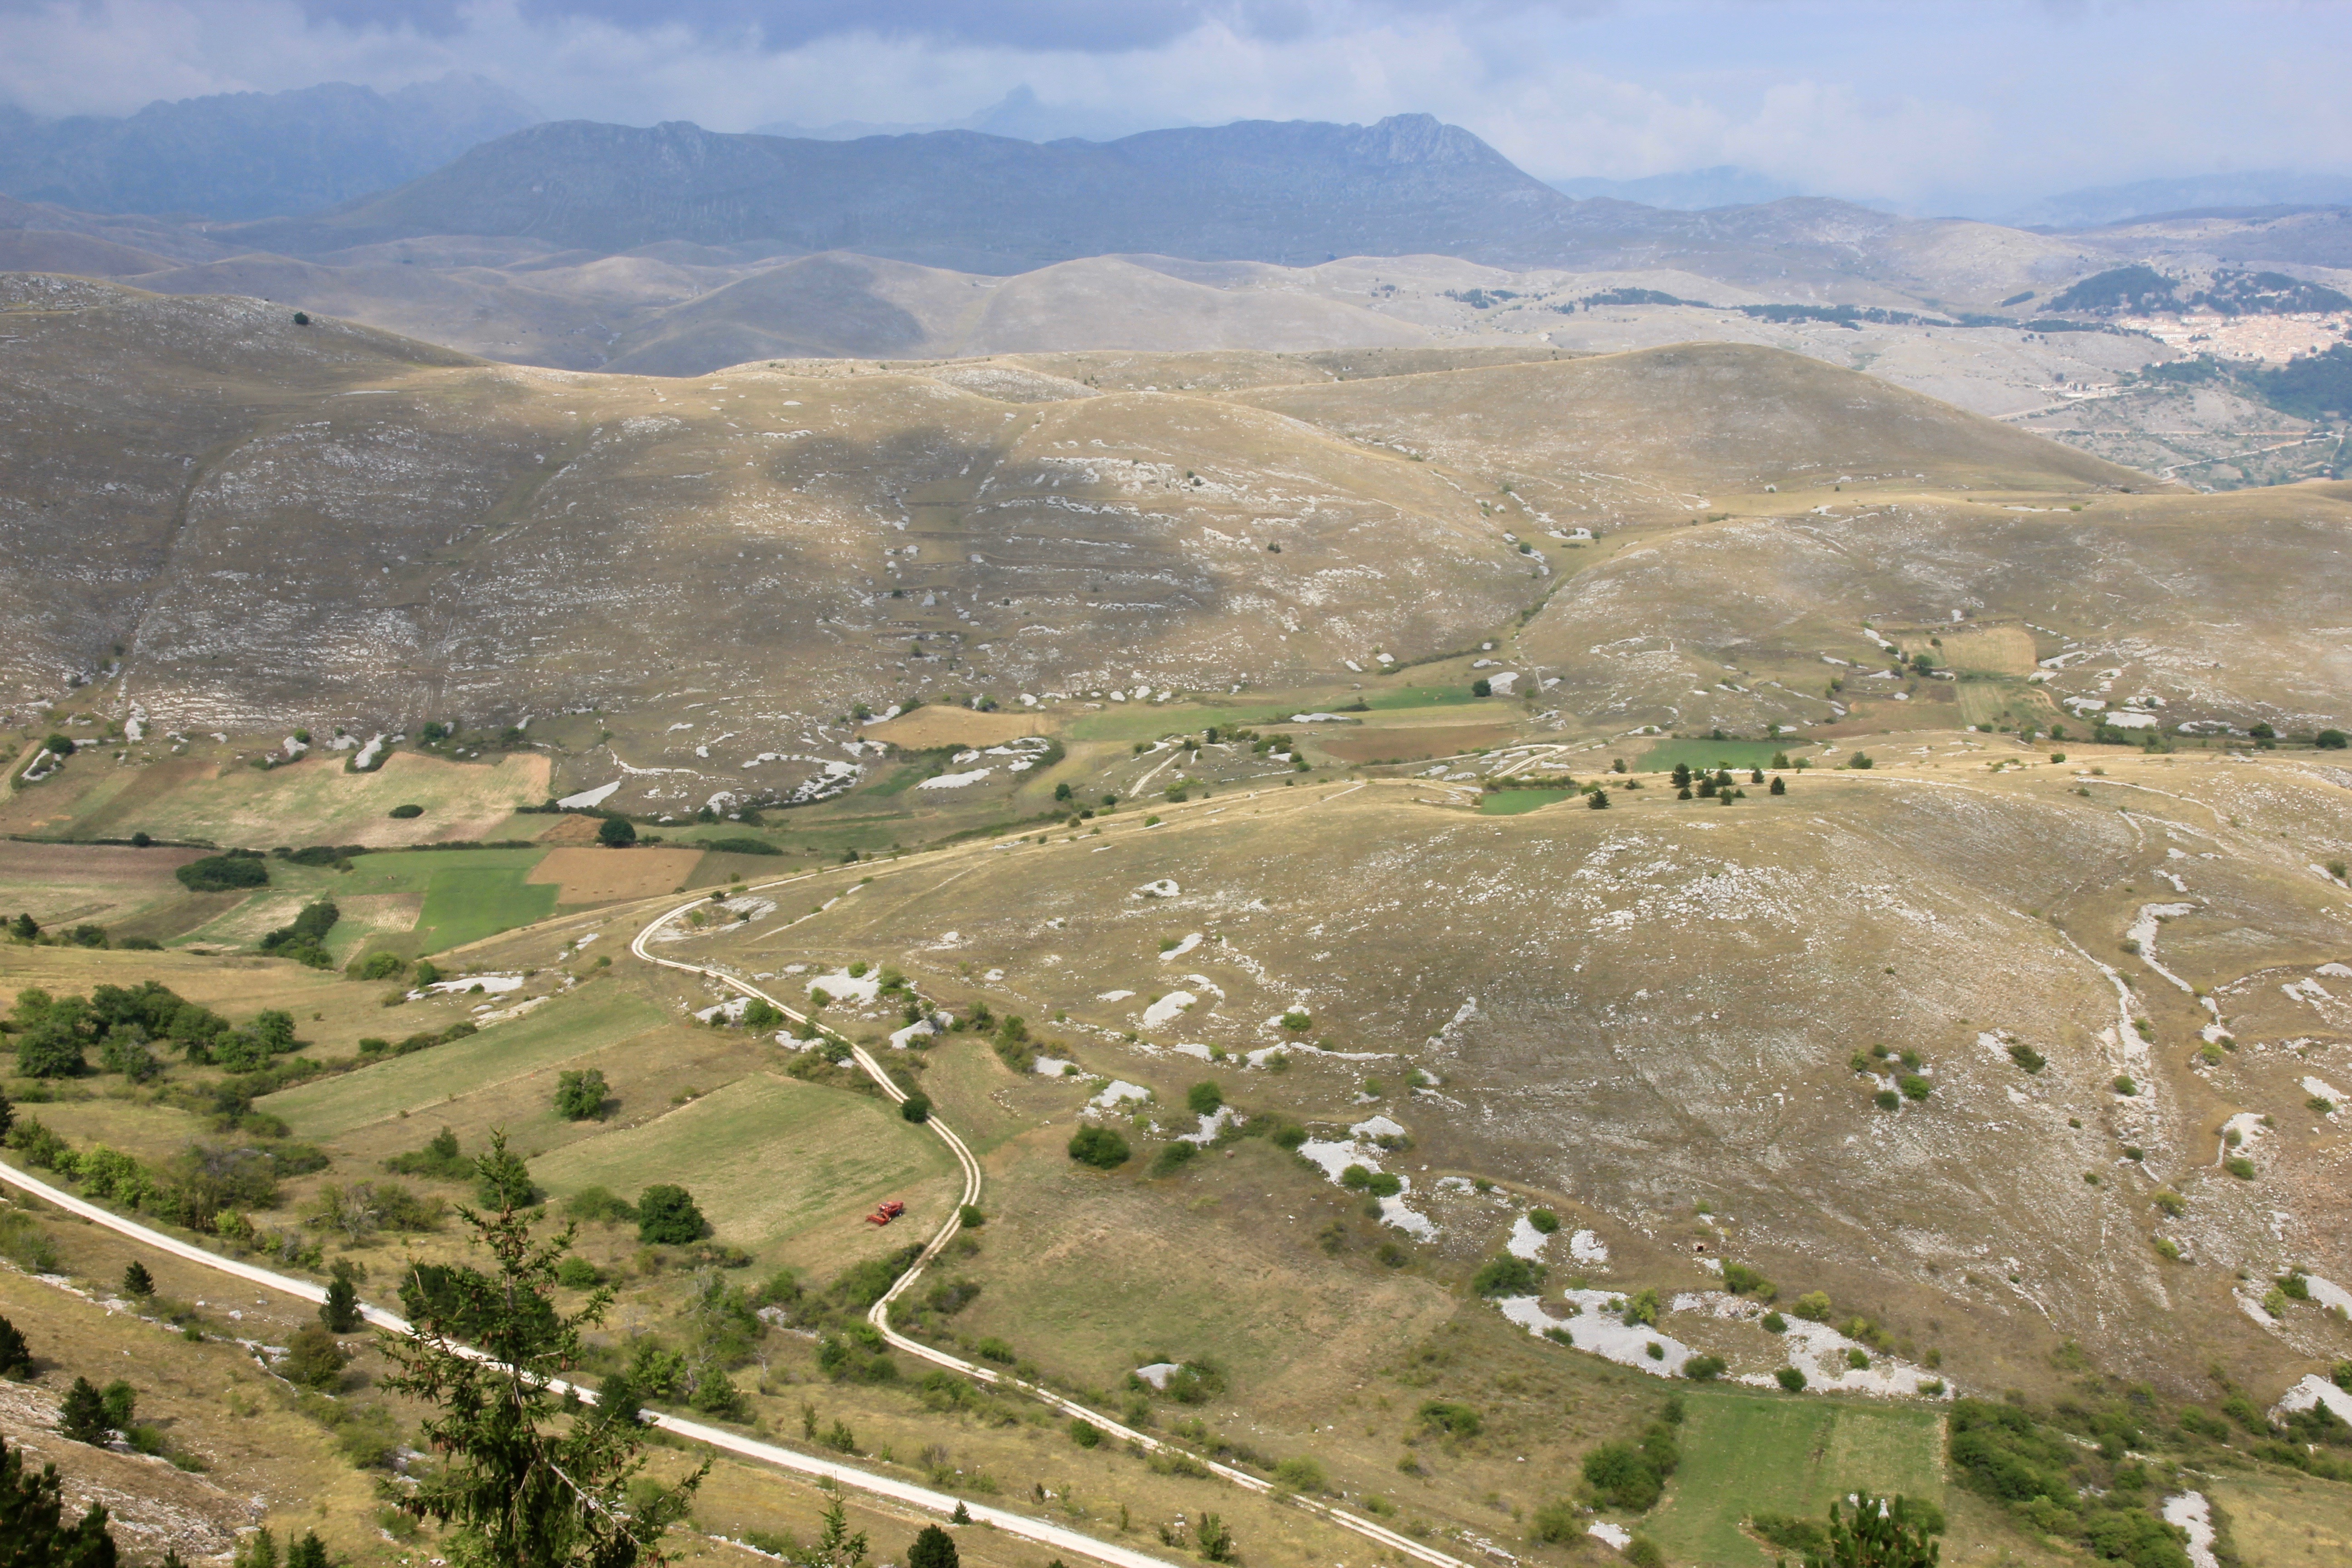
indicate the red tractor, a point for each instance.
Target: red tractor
{"x":891,"y":1209}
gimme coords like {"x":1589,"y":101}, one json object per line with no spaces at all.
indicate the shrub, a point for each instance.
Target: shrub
{"x":1773,"y":1323}
{"x":1790,"y":1379}
{"x":1173,"y":1158}
{"x":1626,"y":1476}
{"x":1739,"y":1279}
{"x":1384,"y":1184}
{"x":1543,"y":1221}
{"x":1296,"y":1021}
{"x":1507,"y":1275}
{"x":1099,"y":1147}
{"x":666,"y":1216}
{"x":1205,"y":1097}
{"x":1300,"y":1474}
{"x":576,"y":1273}
{"x":1887,"y":1099}
{"x":2330,"y":739}
{"x":1813,"y":1306}
{"x":1455,"y":1420}
{"x":915,"y":1108}
{"x":223,"y":873}
{"x":580,"y":1096}
{"x":2240,"y":1166}
{"x":2026,"y":1056}
{"x":405,"y":813}
{"x":2125,"y":1085}
{"x":312,"y":1358}
{"x":440,"y":1158}
{"x":935,"y":1548}
{"x":1642,"y":1310}
{"x":615,"y":833}
{"x":1559,"y":1523}
{"x":15,"y":1355}
{"x":1704,"y":1368}
{"x":1914,"y":1087}
{"x":970,"y":1215}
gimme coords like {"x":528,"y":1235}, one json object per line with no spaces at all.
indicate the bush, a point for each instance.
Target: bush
{"x":312,"y":1358}
{"x":2330,"y":739}
{"x":1085,"y":1433}
{"x":1629,"y":1476}
{"x":1543,"y":1221}
{"x":2240,"y":1166}
{"x":1507,"y":1275}
{"x":1914,"y":1087}
{"x":1455,"y":1420}
{"x":615,"y":833}
{"x":405,"y":813}
{"x":1792,"y":1379}
{"x":1300,"y":1474}
{"x":666,"y":1216}
{"x":1174,"y":1157}
{"x":1813,"y":1306}
{"x":1704,"y":1368}
{"x":915,"y":1108}
{"x":1205,"y":1097}
{"x":1099,"y":1147}
{"x":1559,"y":1523}
{"x":1740,"y":1279}
{"x":580,"y":1096}
{"x":223,"y":873}
{"x":742,"y":847}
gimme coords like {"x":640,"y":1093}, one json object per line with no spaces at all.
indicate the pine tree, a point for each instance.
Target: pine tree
{"x":7,"y":1115}
{"x":137,"y":1283}
{"x":963,"y":1515}
{"x":836,"y":1547}
{"x":934,"y":1548}
{"x":259,"y":1550}
{"x":1878,"y":1534}
{"x":308,"y":1553}
{"x":519,"y":1487}
{"x":82,"y":1416}
{"x":340,"y":1311}
{"x":15,"y":1355}
{"x":32,"y":1526}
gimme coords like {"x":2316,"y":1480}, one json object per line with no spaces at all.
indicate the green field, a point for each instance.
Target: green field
{"x":1424,"y":696}
{"x":558,"y":1031}
{"x":1747,"y":1452}
{"x":1662,"y":757}
{"x":770,"y":1160}
{"x":1512,"y":802}
{"x":466,"y":904}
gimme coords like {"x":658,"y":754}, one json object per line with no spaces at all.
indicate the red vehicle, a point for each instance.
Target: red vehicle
{"x":891,"y":1209}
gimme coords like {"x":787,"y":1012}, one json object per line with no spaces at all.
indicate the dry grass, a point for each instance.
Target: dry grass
{"x":586,"y":875}
{"x":64,"y":884}
{"x":941,"y":725}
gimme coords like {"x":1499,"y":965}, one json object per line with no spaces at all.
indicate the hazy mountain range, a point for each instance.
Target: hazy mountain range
{"x":243,"y":156}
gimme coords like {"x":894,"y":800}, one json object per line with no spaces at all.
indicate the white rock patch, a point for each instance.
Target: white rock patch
{"x":1182,"y":948}
{"x":2188,"y":1512}
{"x":842,"y":986}
{"x":954,"y":780}
{"x":1115,"y":1094}
{"x":1526,"y":1241}
{"x":1168,"y":1009}
{"x":587,"y":800}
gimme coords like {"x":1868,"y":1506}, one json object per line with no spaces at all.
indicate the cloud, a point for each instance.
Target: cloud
{"x":1934,"y":103}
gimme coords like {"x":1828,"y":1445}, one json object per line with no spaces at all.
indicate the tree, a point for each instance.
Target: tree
{"x":668,"y":1215}
{"x":82,"y":1416}
{"x":136,"y":1282}
{"x":32,"y":1526}
{"x":51,"y":1049}
{"x":1099,"y":1147}
{"x":501,"y":1179}
{"x":836,"y":1547}
{"x":1780,"y":784}
{"x":15,"y":1355}
{"x":24,"y":928}
{"x":580,"y":1096}
{"x":519,"y":1488}
{"x":259,"y":1550}
{"x":616,"y":832}
{"x":340,"y":1311}
{"x":308,"y":1553}
{"x":1879,"y":1534}
{"x":916,"y":1107}
{"x":933,"y":1548}
{"x":2330,"y":741}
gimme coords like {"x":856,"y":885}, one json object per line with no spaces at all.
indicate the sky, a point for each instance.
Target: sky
{"x":1923,"y":104}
